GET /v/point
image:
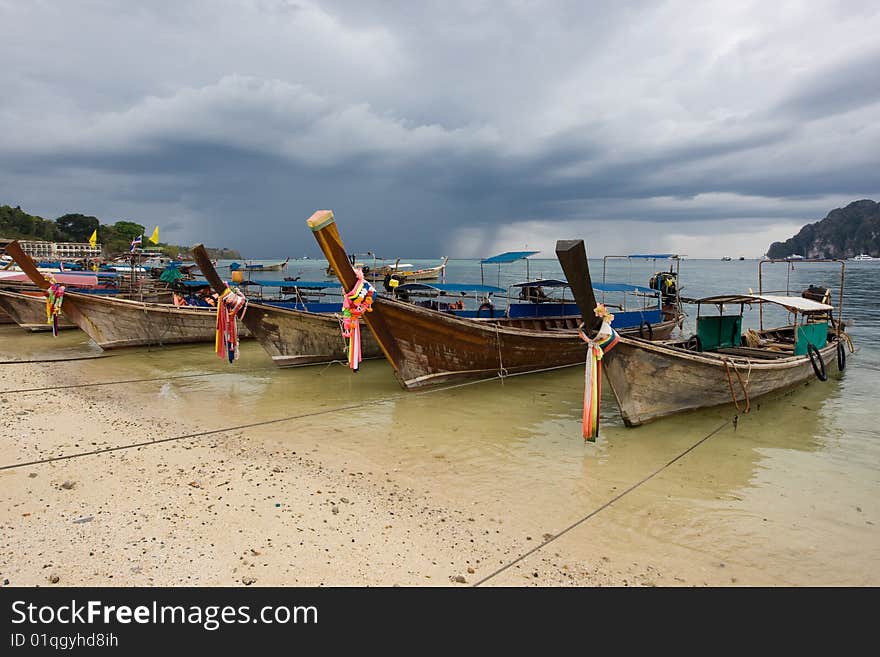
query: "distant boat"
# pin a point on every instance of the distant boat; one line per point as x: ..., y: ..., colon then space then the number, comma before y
x: 863, y: 257
x: 252, y: 265
x: 741, y: 258
x: 727, y: 258
x: 794, y: 256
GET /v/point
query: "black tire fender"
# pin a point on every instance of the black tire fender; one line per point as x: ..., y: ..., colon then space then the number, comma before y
x: 650, y: 330
x: 817, y: 362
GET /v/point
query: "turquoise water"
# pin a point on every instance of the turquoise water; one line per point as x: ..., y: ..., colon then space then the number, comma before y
x: 792, y: 496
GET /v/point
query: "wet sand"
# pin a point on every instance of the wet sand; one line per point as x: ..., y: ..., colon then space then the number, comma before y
x: 227, y: 509
x: 411, y: 490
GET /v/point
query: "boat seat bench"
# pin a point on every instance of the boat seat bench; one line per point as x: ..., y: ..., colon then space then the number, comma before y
x: 749, y: 352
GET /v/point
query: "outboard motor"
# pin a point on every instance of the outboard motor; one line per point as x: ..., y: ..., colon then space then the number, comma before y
x: 667, y: 283
x: 817, y: 293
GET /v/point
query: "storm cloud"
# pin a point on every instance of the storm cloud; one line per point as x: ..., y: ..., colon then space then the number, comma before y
x: 443, y: 128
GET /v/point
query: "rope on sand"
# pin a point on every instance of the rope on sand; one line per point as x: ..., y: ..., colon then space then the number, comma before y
x: 52, y: 360
x: 116, y: 383
x: 326, y: 411
x: 732, y: 420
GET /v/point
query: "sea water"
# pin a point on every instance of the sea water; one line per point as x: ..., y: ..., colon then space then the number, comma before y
x: 789, y: 496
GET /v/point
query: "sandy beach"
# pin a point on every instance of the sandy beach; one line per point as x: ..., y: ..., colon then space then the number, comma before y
x: 233, y: 508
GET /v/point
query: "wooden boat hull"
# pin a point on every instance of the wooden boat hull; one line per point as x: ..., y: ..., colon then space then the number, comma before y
x: 5, y: 318
x: 116, y: 323
x: 29, y: 311
x: 295, y: 337
x: 651, y: 380
x: 433, y: 348
x: 428, y: 347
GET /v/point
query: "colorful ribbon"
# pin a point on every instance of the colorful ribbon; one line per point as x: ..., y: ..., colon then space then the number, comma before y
x: 226, y: 338
x: 597, y: 347
x: 354, y: 304
x: 54, y: 299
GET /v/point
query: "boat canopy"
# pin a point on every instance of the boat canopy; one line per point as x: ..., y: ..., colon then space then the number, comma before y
x: 793, y: 304
x: 449, y: 287
x: 508, y: 256
x: 653, y: 256
x: 601, y: 287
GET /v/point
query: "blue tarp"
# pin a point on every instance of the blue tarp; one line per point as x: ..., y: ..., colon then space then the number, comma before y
x: 547, y: 282
x: 601, y: 287
x: 509, y: 256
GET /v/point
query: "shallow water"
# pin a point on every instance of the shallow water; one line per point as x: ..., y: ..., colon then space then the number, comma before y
x: 788, y: 497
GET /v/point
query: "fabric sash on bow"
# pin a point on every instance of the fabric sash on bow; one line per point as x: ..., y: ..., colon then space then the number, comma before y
x: 226, y: 338
x: 597, y: 347
x: 54, y: 299
x: 354, y: 304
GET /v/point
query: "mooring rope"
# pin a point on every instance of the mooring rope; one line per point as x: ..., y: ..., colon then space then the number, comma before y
x: 124, y: 381
x: 606, y: 504
x: 52, y: 360
x: 748, y: 403
x: 400, y: 395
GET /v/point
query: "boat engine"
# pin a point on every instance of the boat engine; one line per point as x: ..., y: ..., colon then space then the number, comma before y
x: 666, y: 282
x: 817, y: 293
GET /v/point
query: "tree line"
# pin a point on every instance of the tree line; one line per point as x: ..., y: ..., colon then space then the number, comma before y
x: 115, y: 238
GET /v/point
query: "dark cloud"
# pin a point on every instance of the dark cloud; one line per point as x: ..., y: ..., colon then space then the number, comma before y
x: 440, y: 128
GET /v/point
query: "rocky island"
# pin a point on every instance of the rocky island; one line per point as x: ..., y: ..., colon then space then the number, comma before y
x: 844, y: 233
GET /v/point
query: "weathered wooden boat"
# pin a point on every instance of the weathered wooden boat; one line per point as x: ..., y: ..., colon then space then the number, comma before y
x: 253, y: 265
x: 718, y: 366
x: 5, y: 317
x: 291, y: 337
x: 113, y: 323
x: 28, y: 310
x: 405, y: 272
x: 428, y: 347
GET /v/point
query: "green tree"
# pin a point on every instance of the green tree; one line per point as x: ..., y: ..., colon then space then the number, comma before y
x: 77, y: 227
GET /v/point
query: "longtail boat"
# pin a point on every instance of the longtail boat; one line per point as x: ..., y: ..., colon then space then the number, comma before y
x: 28, y: 310
x: 113, y: 323
x: 291, y: 337
x: 722, y: 365
x: 428, y: 347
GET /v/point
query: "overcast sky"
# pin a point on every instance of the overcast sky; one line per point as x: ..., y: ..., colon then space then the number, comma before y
x: 443, y: 128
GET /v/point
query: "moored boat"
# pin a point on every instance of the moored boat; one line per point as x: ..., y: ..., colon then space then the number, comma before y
x: 291, y: 336
x: 113, y: 323
x: 28, y: 310
x: 255, y: 265
x: 654, y: 380
x: 428, y: 347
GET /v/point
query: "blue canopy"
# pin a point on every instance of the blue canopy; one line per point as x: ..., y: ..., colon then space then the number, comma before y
x: 449, y: 287
x: 509, y: 256
x: 195, y: 283
x: 601, y: 287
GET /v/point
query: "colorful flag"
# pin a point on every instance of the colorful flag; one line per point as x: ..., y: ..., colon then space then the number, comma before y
x: 154, y: 238
x: 93, y: 240
x: 135, y: 243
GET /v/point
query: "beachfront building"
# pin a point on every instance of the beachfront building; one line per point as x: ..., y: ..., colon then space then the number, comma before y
x: 39, y: 250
